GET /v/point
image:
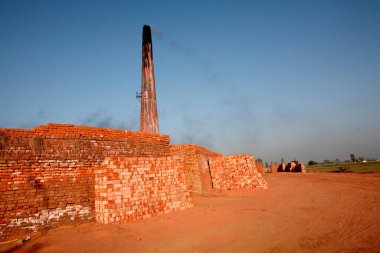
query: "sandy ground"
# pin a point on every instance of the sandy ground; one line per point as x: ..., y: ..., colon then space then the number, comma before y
x: 310, y: 212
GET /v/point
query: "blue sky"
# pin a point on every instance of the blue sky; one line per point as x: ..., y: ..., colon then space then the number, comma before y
x: 291, y: 79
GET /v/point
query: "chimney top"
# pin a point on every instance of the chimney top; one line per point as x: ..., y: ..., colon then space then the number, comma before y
x: 147, y: 36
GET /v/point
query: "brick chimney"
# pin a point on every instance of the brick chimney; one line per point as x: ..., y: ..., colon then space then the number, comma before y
x: 149, y: 116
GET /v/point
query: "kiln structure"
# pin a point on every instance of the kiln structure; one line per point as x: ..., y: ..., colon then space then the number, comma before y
x: 54, y: 174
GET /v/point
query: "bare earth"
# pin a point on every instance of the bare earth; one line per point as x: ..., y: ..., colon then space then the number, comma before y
x: 309, y: 212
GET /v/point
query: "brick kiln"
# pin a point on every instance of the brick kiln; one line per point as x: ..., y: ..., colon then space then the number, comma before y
x: 58, y: 173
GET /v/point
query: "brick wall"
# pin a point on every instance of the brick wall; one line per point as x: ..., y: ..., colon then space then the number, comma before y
x: 80, y: 142
x: 235, y: 172
x: 195, y: 167
x: 129, y: 189
x: 46, y: 173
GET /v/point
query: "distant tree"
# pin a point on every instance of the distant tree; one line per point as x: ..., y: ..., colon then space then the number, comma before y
x: 266, y: 165
x: 282, y: 160
x: 337, y: 160
x: 326, y: 161
x: 259, y: 160
x: 352, y: 156
x: 311, y: 163
x: 360, y: 159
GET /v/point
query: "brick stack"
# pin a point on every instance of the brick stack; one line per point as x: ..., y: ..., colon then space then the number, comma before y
x: 259, y: 167
x: 300, y: 167
x: 195, y: 166
x: 280, y: 167
x: 290, y: 167
x: 287, y: 167
x: 46, y: 173
x: 129, y: 189
x: 235, y: 172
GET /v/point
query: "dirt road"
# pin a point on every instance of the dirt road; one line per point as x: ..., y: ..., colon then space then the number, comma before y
x: 309, y: 212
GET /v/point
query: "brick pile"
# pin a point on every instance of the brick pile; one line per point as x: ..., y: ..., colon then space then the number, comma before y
x: 300, y: 167
x: 277, y: 167
x: 259, y: 167
x: 196, y: 168
x: 129, y: 189
x: 235, y: 172
x: 287, y: 167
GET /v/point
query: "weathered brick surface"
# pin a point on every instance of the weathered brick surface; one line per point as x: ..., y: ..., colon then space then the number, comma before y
x: 78, y: 142
x: 46, y: 173
x: 196, y: 168
x: 235, y: 172
x: 129, y: 189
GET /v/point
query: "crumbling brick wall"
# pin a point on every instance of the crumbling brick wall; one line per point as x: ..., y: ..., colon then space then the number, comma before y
x: 195, y: 167
x: 46, y: 173
x: 235, y: 172
x: 129, y: 189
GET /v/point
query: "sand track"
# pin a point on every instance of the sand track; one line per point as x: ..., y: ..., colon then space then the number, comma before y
x: 310, y: 212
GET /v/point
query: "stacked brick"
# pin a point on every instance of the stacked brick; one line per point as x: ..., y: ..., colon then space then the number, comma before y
x: 54, y: 174
x: 235, y: 172
x: 129, y: 189
x: 287, y: 167
x: 196, y: 169
x: 259, y: 167
x: 277, y: 167
x: 198, y: 149
x: 71, y: 140
x: 42, y: 193
x: 46, y: 173
x: 300, y: 167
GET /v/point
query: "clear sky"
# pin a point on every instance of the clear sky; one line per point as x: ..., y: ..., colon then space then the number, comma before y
x: 291, y: 79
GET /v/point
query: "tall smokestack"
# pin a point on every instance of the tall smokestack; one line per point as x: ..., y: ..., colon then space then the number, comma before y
x: 148, y: 117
